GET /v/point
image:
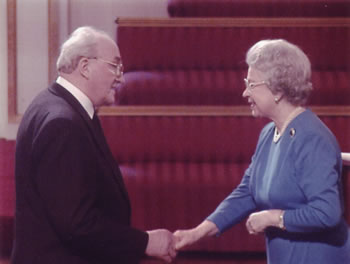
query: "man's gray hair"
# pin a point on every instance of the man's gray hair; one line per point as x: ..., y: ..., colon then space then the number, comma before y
x: 81, y: 43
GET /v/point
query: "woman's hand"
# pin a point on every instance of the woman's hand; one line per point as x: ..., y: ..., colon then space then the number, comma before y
x: 258, y: 222
x: 185, y: 238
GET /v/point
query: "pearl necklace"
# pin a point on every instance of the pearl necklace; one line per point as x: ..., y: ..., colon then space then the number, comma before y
x: 277, y: 135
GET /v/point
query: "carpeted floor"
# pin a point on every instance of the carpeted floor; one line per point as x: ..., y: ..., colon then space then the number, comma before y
x: 204, y: 258
x: 210, y: 258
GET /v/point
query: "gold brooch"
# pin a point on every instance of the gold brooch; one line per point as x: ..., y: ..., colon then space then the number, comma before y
x: 292, y: 132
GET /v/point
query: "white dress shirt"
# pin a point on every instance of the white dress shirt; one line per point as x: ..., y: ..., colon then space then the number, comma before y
x: 78, y: 94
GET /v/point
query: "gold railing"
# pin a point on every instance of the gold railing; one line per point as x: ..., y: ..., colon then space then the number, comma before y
x: 234, y: 22
x: 206, y: 110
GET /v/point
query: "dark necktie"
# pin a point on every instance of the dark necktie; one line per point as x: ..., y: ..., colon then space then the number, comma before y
x: 108, y: 154
x: 101, y: 138
x: 97, y: 124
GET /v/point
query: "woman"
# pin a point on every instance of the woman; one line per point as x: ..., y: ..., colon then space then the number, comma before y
x: 292, y: 189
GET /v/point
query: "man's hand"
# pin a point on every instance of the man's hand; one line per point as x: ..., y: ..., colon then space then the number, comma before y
x: 161, y: 244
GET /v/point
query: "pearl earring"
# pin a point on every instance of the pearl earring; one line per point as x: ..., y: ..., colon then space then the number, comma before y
x: 276, y: 100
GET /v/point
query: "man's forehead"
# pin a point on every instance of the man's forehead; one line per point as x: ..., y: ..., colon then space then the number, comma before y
x: 109, y: 48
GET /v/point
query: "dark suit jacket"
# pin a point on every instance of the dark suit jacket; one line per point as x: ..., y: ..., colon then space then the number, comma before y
x: 71, y: 202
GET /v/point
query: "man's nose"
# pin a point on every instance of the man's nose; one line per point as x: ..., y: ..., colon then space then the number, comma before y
x: 245, y: 93
x: 120, y: 79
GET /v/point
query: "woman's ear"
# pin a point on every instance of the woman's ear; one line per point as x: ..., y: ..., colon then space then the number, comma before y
x: 84, y: 67
x: 278, y: 97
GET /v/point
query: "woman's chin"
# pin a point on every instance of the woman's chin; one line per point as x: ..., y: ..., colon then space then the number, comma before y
x: 255, y: 112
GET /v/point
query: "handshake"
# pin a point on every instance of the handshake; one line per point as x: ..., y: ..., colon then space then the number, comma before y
x: 164, y: 245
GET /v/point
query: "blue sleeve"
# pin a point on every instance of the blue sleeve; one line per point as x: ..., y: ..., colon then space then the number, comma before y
x: 235, y: 207
x: 318, y: 173
x: 240, y: 203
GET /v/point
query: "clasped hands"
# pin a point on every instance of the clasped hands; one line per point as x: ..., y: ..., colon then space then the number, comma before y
x: 164, y: 245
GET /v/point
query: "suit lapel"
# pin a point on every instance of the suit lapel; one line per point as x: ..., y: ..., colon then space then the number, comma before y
x: 97, y: 134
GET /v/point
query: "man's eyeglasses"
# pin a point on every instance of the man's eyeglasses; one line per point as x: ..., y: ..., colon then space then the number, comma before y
x: 251, y: 85
x: 118, y: 68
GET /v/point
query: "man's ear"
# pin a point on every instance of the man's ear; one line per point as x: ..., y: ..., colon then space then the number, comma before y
x: 84, y: 67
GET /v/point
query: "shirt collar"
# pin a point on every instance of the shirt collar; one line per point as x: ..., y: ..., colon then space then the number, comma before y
x: 78, y: 94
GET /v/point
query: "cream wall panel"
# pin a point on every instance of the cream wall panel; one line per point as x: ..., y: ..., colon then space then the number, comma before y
x: 32, y: 50
x: 102, y: 14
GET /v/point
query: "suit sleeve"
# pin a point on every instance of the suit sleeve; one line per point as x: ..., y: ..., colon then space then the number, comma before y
x: 67, y: 180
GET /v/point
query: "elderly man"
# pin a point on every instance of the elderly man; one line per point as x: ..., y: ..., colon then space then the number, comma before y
x: 71, y: 203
